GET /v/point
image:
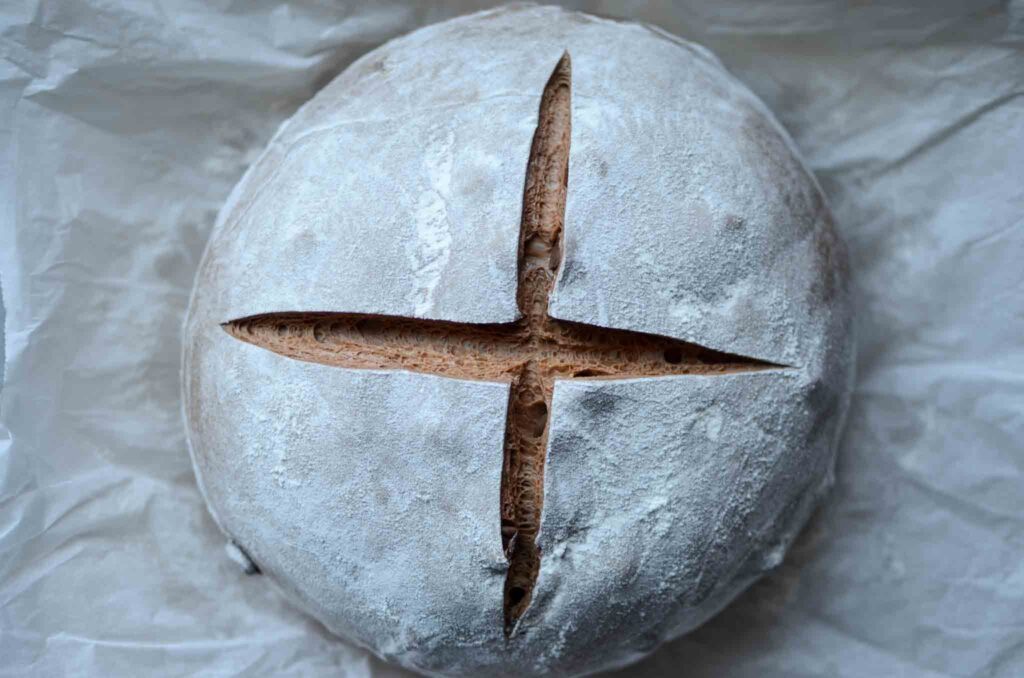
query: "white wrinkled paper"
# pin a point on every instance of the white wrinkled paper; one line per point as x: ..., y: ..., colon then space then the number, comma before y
x: 125, y: 125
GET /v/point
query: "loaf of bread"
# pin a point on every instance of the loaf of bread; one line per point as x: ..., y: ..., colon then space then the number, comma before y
x: 524, y: 347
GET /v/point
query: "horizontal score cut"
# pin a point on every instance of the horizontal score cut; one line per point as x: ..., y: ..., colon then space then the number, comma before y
x: 488, y: 352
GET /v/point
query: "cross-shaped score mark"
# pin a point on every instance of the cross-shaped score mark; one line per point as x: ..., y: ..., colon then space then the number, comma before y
x: 530, y: 353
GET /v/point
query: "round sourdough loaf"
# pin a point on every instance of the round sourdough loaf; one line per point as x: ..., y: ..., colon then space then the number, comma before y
x: 523, y: 348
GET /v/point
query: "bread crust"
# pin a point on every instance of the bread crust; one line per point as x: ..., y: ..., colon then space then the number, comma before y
x: 373, y: 498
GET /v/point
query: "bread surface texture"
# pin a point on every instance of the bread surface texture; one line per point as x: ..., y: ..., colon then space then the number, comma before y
x: 524, y: 347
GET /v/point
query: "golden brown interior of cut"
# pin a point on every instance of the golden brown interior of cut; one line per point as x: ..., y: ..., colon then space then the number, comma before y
x: 529, y: 353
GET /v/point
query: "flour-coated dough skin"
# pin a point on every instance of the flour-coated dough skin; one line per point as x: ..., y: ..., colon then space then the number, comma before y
x: 372, y: 497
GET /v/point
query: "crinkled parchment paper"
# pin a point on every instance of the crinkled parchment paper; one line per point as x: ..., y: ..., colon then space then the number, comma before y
x: 123, y: 126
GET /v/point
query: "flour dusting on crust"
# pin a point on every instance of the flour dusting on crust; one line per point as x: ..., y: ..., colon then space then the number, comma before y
x: 372, y: 497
